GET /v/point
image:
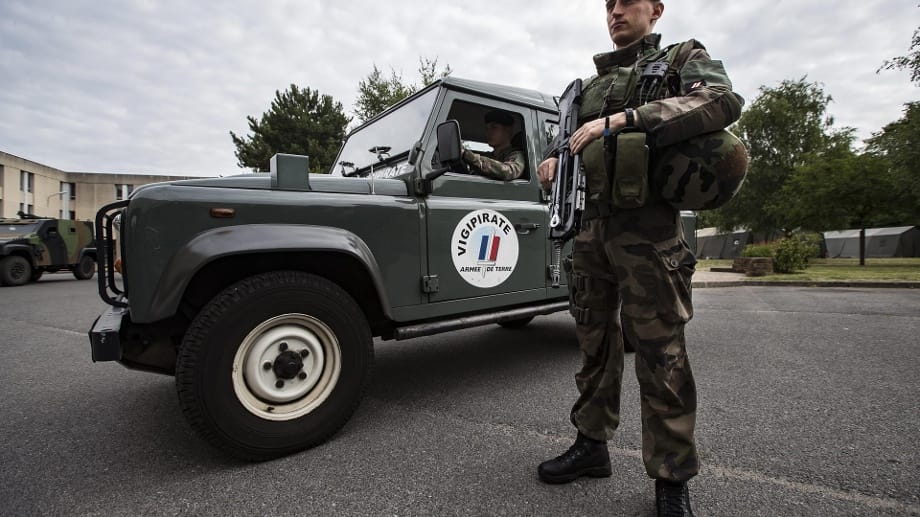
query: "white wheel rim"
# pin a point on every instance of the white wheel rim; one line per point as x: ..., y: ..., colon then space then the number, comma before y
x: 305, y: 357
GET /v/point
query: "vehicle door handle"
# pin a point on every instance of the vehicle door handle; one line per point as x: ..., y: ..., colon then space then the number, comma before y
x: 525, y: 228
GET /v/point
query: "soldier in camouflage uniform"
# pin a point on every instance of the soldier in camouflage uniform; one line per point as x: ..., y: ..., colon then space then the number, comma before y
x: 632, y: 266
x: 506, y: 162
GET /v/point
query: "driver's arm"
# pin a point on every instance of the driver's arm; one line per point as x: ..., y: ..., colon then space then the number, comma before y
x: 510, y: 168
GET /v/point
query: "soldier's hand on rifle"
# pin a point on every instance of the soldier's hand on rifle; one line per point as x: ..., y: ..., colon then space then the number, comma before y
x: 546, y: 172
x: 594, y: 129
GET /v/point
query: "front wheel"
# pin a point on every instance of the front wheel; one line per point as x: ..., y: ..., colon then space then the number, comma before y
x: 15, y: 271
x: 274, y: 364
x: 85, y: 269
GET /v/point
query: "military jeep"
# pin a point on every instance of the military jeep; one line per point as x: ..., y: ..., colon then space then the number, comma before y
x: 262, y: 293
x: 31, y: 246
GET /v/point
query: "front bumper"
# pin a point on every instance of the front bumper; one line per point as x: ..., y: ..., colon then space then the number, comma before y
x: 105, y: 336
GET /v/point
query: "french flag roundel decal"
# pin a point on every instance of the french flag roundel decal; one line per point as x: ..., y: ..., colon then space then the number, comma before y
x: 484, y: 248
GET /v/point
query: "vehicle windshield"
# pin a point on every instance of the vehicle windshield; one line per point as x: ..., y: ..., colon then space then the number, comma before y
x: 391, y: 137
x: 17, y: 228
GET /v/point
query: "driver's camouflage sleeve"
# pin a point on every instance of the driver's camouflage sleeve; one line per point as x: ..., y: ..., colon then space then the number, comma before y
x: 505, y: 165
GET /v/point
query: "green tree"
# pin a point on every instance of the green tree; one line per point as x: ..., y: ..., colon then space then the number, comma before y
x: 299, y: 121
x: 846, y: 190
x: 898, y: 142
x: 428, y: 71
x: 376, y: 93
x: 910, y: 62
x: 784, y: 128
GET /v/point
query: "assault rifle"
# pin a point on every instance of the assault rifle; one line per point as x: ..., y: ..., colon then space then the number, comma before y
x: 568, y: 194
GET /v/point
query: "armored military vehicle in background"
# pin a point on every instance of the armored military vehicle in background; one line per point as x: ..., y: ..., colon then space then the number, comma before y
x: 31, y: 246
x: 262, y: 293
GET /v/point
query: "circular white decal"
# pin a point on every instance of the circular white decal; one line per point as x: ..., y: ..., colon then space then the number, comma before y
x: 484, y: 248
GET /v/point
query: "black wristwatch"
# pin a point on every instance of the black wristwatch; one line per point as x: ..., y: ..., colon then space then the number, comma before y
x: 630, y: 117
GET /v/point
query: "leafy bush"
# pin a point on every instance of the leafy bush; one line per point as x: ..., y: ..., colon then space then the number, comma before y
x: 791, y: 254
x: 813, y: 241
x: 758, y: 250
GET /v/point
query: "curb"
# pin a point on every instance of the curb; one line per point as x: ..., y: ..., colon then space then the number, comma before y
x: 866, y: 284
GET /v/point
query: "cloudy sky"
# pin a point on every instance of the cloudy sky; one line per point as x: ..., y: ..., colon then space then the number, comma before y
x: 150, y: 86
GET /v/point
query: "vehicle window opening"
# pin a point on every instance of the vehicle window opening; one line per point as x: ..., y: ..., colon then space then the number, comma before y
x: 471, y: 117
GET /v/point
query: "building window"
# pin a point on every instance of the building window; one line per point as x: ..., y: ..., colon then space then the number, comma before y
x: 69, y: 188
x: 123, y: 191
x: 26, y: 181
x: 70, y: 214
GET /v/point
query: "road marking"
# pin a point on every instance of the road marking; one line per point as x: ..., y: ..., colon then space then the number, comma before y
x: 739, y: 474
x: 46, y: 327
x: 878, y: 503
x: 699, y: 310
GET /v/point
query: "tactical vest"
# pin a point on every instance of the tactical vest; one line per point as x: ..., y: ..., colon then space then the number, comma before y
x: 616, y: 88
x: 700, y: 173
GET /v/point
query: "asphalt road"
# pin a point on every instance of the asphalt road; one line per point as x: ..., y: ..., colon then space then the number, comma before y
x: 808, y: 407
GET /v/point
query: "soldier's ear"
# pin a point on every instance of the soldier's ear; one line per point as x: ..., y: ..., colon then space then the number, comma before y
x: 657, y: 10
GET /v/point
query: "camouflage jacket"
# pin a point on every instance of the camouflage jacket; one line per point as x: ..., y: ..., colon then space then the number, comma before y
x: 695, y: 97
x: 504, y: 165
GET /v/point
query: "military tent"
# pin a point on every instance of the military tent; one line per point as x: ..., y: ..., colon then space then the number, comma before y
x: 902, y: 241
x: 713, y: 244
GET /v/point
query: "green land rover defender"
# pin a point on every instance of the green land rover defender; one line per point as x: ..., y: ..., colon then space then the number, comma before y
x: 262, y: 293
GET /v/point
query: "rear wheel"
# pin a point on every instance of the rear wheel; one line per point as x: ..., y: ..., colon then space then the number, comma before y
x: 15, y: 270
x: 274, y: 364
x: 85, y: 269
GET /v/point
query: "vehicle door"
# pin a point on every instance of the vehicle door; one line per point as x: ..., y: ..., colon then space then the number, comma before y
x: 55, y: 250
x: 486, y: 238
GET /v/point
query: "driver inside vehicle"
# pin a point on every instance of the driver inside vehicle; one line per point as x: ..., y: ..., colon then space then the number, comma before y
x: 506, y: 161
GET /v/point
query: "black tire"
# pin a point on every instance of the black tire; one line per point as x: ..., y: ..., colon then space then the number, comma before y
x: 85, y: 269
x: 15, y: 271
x: 516, y: 324
x: 219, y: 389
x: 36, y: 275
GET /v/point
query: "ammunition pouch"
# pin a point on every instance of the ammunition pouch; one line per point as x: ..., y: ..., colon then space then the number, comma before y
x: 597, y: 182
x: 627, y: 161
x: 591, y: 313
x: 616, y: 170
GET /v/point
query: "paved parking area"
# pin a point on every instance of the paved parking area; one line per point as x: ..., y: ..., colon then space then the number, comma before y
x: 808, y: 406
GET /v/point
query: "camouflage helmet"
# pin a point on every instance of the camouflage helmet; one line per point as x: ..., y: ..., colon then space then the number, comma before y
x: 701, y: 173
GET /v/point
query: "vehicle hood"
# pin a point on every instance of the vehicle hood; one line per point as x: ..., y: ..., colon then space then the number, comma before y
x: 318, y: 183
x: 13, y: 239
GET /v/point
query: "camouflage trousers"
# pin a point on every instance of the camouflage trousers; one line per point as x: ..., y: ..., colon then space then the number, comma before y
x: 632, y: 274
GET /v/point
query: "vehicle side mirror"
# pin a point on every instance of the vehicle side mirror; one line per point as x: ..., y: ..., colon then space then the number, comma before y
x: 449, y: 147
x: 450, y: 155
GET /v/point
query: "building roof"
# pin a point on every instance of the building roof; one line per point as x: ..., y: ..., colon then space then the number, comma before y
x: 870, y: 232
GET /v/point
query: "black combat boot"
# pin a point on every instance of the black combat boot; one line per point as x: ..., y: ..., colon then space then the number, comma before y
x: 672, y: 498
x: 586, y: 457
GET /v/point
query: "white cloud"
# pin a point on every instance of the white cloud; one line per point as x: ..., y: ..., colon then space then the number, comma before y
x: 155, y: 86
